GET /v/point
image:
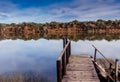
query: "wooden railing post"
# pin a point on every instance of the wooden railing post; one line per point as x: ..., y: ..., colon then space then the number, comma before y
x: 64, y: 64
x: 110, y: 68
x: 64, y: 42
x: 66, y: 51
x: 95, y: 55
x: 67, y: 55
x: 109, y: 72
x: 59, y: 71
x: 116, y: 70
x: 70, y: 49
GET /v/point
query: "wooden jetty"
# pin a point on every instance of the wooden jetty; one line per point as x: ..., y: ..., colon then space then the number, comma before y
x: 83, y: 68
x: 80, y: 69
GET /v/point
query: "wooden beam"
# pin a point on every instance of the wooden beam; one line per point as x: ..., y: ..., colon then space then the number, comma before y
x: 116, y: 70
x: 59, y: 71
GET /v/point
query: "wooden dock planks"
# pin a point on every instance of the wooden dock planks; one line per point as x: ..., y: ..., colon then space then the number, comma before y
x: 80, y: 69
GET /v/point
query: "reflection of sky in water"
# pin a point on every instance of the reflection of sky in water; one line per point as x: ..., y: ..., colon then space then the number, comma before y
x: 109, y: 49
x: 30, y: 55
x: 41, y: 55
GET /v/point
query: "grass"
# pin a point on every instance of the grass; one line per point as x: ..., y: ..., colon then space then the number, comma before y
x: 23, y: 77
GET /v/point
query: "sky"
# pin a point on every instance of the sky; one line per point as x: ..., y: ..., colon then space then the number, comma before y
x: 42, y: 11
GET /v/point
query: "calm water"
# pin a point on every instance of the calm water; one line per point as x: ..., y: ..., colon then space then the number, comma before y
x: 38, y: 57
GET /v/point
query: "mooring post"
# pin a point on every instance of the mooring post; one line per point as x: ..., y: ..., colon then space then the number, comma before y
x: 116, y: 70
x: 95, y: 55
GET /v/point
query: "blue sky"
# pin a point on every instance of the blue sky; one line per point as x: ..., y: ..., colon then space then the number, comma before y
x: 41, y: 11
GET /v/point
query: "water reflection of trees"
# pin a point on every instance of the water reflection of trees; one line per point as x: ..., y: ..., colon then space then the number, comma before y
x: 73, y: 36
x: 23, y: 77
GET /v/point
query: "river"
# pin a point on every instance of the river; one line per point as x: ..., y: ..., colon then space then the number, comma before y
x: 36, y: 59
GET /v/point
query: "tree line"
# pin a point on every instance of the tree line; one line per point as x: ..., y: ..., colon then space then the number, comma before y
x: 99, y: 24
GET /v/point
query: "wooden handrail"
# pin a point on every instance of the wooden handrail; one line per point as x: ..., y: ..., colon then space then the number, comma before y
x: 63, y: 51
x: 63, y: 60
x: 110, y: 67
x: 96, y: 50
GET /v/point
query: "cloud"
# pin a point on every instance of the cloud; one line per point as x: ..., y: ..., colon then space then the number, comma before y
x: 7, y: 6
x: 91, y: 10
x: 18, y: 54
x: 107, y: 1
x: 4, y: 14
x: 77, y: 9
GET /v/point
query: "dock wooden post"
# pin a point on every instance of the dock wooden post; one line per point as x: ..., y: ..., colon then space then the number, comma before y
x: 67, y: 56
x: 116, y: 70
x: 59, y: 71
x: 95, y: 55
x: 70, y: 49
x: 67, y: 51
x: 110, y: 68
x: 64, y: 42
x: 64, y: 65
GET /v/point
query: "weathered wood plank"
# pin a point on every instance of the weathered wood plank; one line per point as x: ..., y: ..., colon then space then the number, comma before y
x: 80, y: 69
